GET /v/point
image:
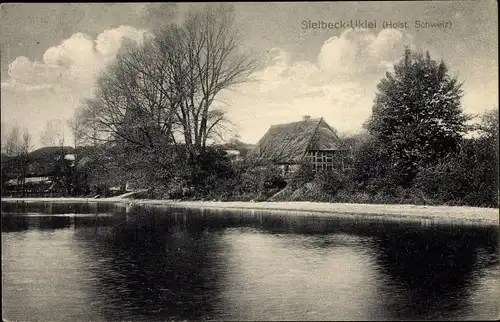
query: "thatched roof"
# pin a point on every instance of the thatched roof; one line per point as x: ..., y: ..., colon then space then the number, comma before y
x: 288, y: 143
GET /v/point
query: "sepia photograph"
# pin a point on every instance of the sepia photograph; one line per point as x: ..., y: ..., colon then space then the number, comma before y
x: 250, y: 161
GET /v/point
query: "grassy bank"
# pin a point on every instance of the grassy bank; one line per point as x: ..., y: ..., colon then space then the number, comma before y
x: 456, y: 214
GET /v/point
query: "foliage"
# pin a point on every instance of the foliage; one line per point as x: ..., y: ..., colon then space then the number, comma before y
x: 331, y: 182
x: 301, y: 176
x: 214, y: 176
x: 258, y: 181
x: 370, y: 163
x: 469, y: 177
x: 417, y: 117
x: 413, y: 151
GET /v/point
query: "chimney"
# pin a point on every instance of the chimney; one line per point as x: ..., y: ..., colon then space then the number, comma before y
x: 306, y: 117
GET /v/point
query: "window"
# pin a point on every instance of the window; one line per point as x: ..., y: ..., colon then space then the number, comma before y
x: 322, y: 160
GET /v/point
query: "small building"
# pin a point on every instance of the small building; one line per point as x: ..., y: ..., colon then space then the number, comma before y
x: 234, y: 155
x: 310, y: 141
x: 235, y: 150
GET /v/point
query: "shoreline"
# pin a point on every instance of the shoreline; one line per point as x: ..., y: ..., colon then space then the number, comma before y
x: 475, y: 215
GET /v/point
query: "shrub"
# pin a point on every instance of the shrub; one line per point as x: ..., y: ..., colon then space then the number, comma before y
x: 464, y: 178
x: 301, y: 176
x: 261, y: 181
x: 314, y: 192
x: 331, y: 181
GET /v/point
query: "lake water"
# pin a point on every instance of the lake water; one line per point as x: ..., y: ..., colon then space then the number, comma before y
x: 102, y: 262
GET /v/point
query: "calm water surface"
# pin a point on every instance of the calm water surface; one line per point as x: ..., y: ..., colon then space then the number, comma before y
x: 99, y: 262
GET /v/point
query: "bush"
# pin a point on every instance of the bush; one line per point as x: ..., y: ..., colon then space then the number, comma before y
x: 301, y: 176
x: 465, y: 178
x: 311, y: 192
x: 211, y: 168
x: 331, y: 181
x: 261, y: 181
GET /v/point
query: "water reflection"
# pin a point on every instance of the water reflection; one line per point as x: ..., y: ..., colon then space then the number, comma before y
x: 152, y: 269
x: 148, y: 263
x: 430, y: 270
x: 42, y: 274
x: 287, y: 277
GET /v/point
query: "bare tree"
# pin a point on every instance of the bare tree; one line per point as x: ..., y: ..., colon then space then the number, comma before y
x: 26, y: 143
x: 159, y: 99
x: 130, y: 104
x: 15, y: 143
x: 210, y: 63
x: 165, y: 90
x: 17, y: 146
x: 24, y: 150
x: 11, y: 141
x: 74, y: 125
x: 53, y: 133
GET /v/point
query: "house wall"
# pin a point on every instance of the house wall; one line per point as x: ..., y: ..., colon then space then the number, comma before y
x: 326, y: 159
x: 320, y: 160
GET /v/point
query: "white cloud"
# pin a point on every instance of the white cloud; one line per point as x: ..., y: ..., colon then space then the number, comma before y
x: 339, y: 86
x: 359, y: 51
x: 27, y: 75
x: 108, y: 42
x: 76, y: 61
x: 54, y: 87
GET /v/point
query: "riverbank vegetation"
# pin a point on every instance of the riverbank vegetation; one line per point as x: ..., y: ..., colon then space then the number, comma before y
x: 154, y: 121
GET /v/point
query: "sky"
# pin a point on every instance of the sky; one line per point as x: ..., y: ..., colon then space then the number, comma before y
x: 52, y: 54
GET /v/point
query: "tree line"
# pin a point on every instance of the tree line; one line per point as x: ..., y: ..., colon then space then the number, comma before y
x: 155, y: 116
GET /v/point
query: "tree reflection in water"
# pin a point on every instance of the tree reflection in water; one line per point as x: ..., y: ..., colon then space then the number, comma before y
x: 153, y: 267
x: 152, y: 263
x: 431, y: 271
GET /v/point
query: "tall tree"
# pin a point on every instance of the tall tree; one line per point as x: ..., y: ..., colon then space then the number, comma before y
x: 11, y: 141
x: 24, y: 149
x: 53, y: 133
x: 208, y: 44
x: 417, y: 117
x: 78, y: 176
x: 159, y: 98
x: 16, y: 146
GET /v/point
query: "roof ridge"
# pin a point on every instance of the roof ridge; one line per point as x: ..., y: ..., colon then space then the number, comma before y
x: 309, y: 120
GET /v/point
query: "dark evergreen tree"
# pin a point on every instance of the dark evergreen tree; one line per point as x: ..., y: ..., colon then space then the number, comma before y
x: 417, y: 117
